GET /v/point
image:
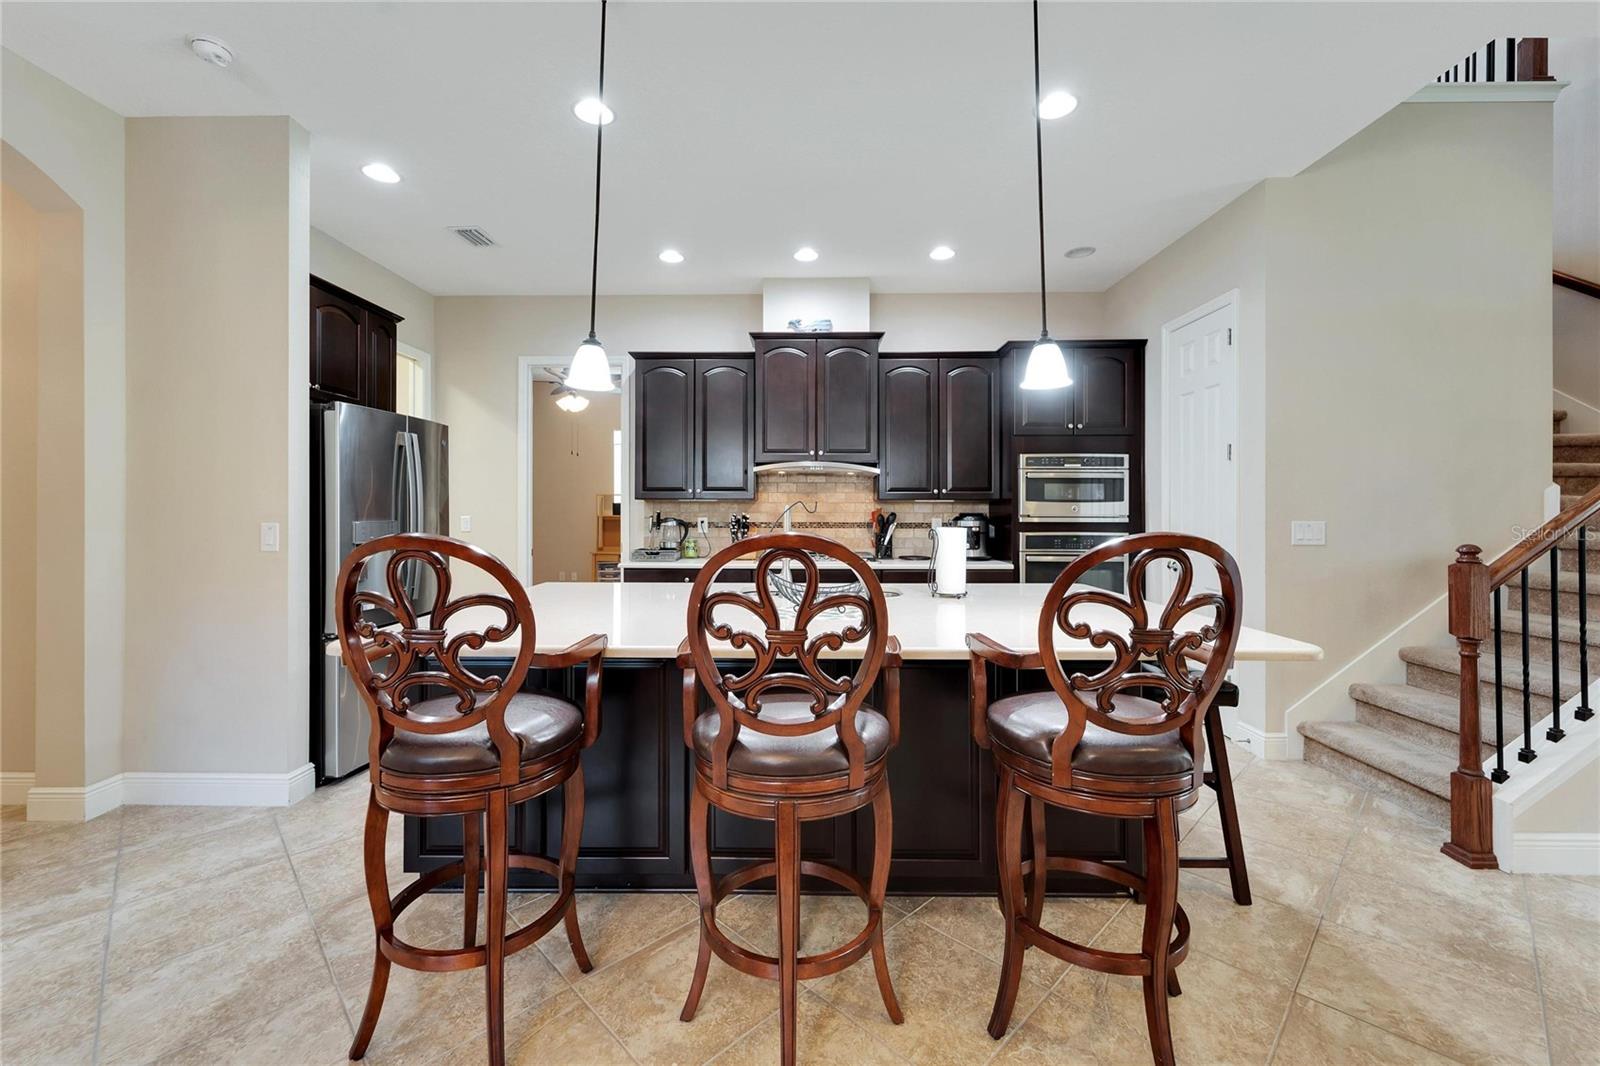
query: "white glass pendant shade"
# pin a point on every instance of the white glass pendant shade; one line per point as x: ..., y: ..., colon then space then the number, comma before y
x: 590, y: 370
x: 1047, y: 367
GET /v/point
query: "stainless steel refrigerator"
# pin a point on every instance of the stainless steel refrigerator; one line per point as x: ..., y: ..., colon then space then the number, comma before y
x: 373, y: 473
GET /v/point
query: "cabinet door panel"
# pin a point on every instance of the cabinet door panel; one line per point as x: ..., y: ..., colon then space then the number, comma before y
x: 847, y: 402
x: 725, y: 416
x: 969, y: 414
x: 381, y: 349
x: 1104, y: 380
x: 664, y: 431
x: 336, y: 343
x: 1039, y: 412
x: 908, y: 395
x: 786, y: 423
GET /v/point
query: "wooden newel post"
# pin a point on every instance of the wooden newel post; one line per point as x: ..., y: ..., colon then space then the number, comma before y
x: 1471, y: 794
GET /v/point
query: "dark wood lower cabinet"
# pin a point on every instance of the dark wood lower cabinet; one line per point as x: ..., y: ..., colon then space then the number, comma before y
x: 637, y: 783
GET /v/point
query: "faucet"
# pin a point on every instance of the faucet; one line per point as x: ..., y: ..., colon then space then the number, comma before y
x: 809, y: 508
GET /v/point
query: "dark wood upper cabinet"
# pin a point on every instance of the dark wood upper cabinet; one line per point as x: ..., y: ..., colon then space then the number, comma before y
x: 725, y: 428
x: 786, y: 403
x: 969, y: 428
x: 353, y: 347
x: 1103, y: 398
x: 664, y: 429
x: 847, y: 402
x: 908, y: 398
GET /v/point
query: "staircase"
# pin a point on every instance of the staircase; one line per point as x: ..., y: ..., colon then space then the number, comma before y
x: 1405, y: 739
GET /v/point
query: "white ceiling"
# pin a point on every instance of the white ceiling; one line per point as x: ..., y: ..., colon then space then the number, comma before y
x: 871, y: 131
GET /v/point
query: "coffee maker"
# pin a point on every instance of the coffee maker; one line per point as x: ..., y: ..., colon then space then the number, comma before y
x: 979, y: 531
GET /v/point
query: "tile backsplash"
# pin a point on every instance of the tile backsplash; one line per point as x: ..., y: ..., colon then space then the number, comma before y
x: 844, y: 505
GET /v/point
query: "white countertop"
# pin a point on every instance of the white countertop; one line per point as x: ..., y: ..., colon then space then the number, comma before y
x: 648, y: 620
x: 876, y: 564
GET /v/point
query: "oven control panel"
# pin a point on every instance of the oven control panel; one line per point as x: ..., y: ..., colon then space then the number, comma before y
x: 1076, y: 543
x: 1073, y: 462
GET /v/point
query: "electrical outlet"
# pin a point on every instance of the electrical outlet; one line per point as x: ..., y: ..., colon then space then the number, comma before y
x: 466, y: 523
x: 269, y: 536
x: 1304, y: 532
x: 704, y: 525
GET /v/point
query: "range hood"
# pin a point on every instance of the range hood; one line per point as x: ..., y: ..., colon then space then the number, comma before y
x: 816, y: 466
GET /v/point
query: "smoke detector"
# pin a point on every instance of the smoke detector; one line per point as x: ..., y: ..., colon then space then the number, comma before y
x: 211, y: 50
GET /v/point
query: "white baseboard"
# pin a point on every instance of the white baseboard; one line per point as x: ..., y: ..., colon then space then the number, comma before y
x: 219, y: 790
x: 1263, y: 745
x: 53, y: 804
x: 1555, y: 853
x: 14, y: 786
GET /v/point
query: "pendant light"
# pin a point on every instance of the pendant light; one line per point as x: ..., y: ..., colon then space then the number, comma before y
x: 1046, y: 367
x: 591, y: 370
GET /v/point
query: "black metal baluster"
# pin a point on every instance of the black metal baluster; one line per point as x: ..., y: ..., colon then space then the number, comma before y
x: 1555, y: 732
x: 1498, y: 774
x: 1584, y: 711
x: 1526, y: 754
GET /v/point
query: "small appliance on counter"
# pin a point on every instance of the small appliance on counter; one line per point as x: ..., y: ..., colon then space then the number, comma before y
x: 669, y: 532
x: 979, y: 533
x: 947, y: 570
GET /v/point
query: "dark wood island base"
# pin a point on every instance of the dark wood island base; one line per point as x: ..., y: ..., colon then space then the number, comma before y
x: 635, y: 831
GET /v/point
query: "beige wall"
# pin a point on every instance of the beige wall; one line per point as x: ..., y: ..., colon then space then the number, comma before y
x: 76, y: 147
x: 572, y: 462
x: 218, y: 251
x: 19, y: 477
x: 349, y: 269
x: 1576, y: 248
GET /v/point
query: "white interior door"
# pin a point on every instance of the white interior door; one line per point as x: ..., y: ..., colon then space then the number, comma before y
x: 1200, y: 404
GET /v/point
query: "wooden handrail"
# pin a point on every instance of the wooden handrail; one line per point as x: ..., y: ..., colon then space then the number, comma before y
x: 1471, y: 588
x: 1576, y: 284
x: 1520, y: 555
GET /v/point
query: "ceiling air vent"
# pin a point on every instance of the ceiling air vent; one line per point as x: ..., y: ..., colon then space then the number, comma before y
x: 473, y: 236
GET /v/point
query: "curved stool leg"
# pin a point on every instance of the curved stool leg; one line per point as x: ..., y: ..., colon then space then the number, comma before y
x: 472, y: 853
x: 788, y: 928
x: 1041, y: 859
x: 1161, y: 902
x: 495, y: 970
x: 1009, y: 847
x: 1227, y: 810
x: 377, y: 872
x: 571, y: 836
x: 700, y: 859
x: 882, y: 844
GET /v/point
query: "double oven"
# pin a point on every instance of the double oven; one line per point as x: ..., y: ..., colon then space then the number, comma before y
x: 1058, y: 495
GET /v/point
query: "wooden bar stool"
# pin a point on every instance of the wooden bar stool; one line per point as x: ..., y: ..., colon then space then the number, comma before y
x: 790, y: 745
x: 1094, y: 744
x: 472, y: 753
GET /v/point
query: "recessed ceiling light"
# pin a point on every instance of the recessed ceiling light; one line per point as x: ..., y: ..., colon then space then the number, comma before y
x: 1058, y: 104
x: 1083, y: 251
x: 381, y: 172
x: 806, y: 255
x: 670, y: 255
x: 592, y: 111
x: 942, y: 252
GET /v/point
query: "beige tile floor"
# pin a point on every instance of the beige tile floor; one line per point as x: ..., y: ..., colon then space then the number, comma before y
x: 211, y: 935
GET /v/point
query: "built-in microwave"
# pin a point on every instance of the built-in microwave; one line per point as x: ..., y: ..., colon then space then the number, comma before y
x: 1042, y: 557
x: 1064, y: 487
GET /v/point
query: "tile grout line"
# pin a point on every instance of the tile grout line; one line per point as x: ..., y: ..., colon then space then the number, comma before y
x: 316, y: 930
x: 1538, y: 972
x: 573, y: 985
x: 105, y: 947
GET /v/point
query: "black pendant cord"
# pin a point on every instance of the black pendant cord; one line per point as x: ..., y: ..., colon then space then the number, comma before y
x: 599, y: 143
x: 1038, y: 156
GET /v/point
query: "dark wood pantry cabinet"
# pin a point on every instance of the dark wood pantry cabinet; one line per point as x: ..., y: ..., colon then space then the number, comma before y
x: 353, y: 347
x: 816, y: 397
x: 1104, y: 398
x: 693, y: 427
x: 939, y: 427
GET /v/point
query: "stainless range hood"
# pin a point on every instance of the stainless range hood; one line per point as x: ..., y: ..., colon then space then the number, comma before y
x: 816, y: 466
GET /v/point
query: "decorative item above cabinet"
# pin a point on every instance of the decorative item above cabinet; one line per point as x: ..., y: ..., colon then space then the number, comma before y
x: 816, y: 397
x: 353, y: 346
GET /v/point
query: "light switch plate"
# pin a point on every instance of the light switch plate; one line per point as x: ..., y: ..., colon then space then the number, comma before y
x: 1304, y: 532
x: 269, y: 536
x: 466, y: 523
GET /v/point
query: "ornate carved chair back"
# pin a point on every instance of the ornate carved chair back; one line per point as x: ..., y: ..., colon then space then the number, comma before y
x: 395, y: 643
x: 1151, y: 643
x: 796, y: 618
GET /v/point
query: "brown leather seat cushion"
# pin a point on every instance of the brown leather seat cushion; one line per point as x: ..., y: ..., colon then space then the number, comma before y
x: 543, y: 724
x: 816, y: 754
x: 1028, y: 723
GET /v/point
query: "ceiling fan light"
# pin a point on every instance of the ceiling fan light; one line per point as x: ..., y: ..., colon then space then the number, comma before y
x: 590, y: 370
x: 571, y: 401
x: 1046, y: 368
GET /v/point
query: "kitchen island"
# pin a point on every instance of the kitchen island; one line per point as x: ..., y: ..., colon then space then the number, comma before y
x: 637, y: 774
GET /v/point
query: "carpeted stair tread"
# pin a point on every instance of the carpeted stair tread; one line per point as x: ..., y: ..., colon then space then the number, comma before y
x: 1420, y: 704
x: 1576, y: 469
x: 1539, y: 628
x: 1414, y: 764
x: 1539, y: 578
x: 1577, y: 439
x: 1447, y: 660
